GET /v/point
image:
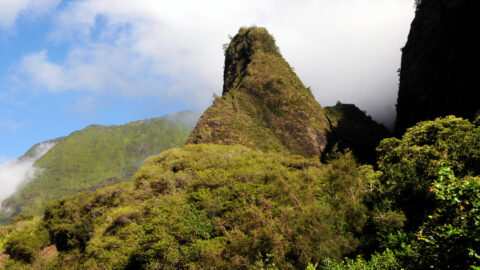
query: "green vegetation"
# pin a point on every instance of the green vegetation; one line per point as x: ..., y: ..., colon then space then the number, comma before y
x: 410, y: 166
x: 417, y: 179
x: 385, y: 261
x: 23, y: 245
x: 451, y: 235
x: 96, y: 157
x: 264, y: 105
x: 22, y: 240
x: 212, y: 206
x: 217, y: 206
x: 257, y: 196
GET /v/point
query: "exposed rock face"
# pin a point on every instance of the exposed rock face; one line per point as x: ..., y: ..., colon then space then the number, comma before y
x: 264, y: 104
x: 440, y: 70
x: 354, y: 129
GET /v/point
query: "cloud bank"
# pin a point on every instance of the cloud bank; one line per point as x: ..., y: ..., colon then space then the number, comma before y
x: 15, y: 173
x: 347, y: 50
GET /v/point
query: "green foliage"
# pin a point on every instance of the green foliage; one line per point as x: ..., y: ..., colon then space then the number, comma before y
x: 20, y: 218
x: 96, y: 157
x: 25, y: 239
x: 451, y: 236
x: 24, y: 245
x: 409, y: 166
x: 14, y: 265
x: 441, y: 229
x: 212, y: 206
x: 264, y: 105
x: 68, y: 224
x: 386, y: 260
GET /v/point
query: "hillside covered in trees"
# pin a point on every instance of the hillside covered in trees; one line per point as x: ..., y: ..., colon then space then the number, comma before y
x: 269, y: 179
x: 95, y: 157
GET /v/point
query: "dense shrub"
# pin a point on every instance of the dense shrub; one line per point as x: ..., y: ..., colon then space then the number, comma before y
x: 24, y: 245
x: 442, y: 223
x: 233, y: 207
x: 451, y: 235
x: 385, y: 261
x: 212, y: 206
x: 409, y: 165
x: 68, y: 223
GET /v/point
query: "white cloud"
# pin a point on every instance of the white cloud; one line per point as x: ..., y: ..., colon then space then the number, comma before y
x: 11, y: 126
x: 346, y: 50
x: 11, y: 9
x: 15, y: 173
x: 42, y: 71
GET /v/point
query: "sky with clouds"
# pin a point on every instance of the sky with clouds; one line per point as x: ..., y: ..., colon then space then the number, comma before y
x: 66, y: 64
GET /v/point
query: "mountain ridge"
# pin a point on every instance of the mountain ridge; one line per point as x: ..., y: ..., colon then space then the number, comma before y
x: 212, y: 206
x: 95, y: 157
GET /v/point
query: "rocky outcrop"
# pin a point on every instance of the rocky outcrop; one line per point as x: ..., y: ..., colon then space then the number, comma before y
x: 264, y: 104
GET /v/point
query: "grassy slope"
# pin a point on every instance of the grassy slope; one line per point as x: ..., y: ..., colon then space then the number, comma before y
x: 264, y: 104
x: 97, y: 156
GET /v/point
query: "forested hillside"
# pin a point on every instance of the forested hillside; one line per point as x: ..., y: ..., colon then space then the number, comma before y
x: 96, y: 157
x: 266, y: 180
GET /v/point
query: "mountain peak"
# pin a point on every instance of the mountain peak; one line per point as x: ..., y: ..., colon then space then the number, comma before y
x: 264, y: 104
x: 239, y: 54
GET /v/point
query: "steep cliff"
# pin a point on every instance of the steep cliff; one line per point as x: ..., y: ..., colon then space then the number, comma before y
x: 264, y: 104
x: 440, y: 68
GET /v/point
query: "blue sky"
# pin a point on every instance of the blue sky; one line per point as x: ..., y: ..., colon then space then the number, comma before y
x: 68, y: 64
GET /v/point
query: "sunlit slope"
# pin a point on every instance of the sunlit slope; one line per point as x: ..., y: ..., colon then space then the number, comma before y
x: 264, y: 104
x: 95, y: 157
x: 211, y: 207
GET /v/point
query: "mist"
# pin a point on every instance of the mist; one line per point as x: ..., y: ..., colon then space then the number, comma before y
x: 18, y: 172
x: 188, y: 117
x: 346, y: 50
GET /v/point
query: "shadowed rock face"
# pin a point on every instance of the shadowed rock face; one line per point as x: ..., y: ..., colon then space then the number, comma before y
x: 264, y: 104
x: 353, y: 129
x: 440, y: 70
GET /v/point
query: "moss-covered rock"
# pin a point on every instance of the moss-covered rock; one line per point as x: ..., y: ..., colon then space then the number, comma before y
x: 264, y: 104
